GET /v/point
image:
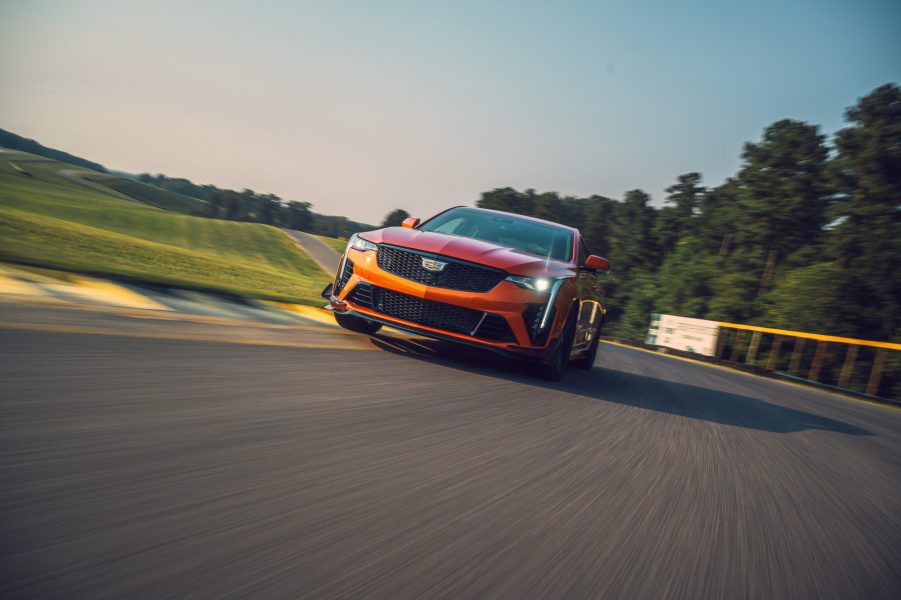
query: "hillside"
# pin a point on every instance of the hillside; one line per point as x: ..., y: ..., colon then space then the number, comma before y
x: 56, y: 220
x: 184, y: 196
x: 248, y: 205
x: 149, y: 194
x: 12, y: 141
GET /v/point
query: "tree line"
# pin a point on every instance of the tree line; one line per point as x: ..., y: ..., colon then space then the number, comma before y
x: 248, y: 205
x: 805, y: 236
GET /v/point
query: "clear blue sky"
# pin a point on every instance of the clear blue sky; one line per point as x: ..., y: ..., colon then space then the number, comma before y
x: 362, y: 107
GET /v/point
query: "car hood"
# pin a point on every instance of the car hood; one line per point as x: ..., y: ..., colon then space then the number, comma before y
x: 508, y: 259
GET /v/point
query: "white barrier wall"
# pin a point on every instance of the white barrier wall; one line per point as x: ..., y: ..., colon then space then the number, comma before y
x: 683, y: 333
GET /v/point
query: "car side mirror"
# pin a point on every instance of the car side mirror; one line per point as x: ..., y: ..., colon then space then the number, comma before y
x: 410, y: 223
x: 596, y: 263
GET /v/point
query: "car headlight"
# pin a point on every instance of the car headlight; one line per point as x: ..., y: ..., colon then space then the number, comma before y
x: 358, y: 243
x: 539, y: 284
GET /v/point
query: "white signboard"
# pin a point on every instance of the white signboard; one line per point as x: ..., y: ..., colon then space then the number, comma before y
x: 682, y: 333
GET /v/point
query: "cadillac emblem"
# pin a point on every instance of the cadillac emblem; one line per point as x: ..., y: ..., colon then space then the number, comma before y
x: 436, y: 266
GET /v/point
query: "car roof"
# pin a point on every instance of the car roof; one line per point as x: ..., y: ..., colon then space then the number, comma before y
x: 517, y: 215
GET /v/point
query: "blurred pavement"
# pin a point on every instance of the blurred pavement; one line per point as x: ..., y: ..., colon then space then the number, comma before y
x: 172, y: 445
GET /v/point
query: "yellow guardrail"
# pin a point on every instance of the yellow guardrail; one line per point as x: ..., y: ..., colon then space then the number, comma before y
x: 738, y: 348
x: 813, y: 336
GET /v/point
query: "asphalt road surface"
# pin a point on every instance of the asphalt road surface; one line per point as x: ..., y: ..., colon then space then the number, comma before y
x: 318, y: 250
x: 157, y: 459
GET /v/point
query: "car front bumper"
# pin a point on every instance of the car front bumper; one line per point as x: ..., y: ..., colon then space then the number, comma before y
x: 506, y: 301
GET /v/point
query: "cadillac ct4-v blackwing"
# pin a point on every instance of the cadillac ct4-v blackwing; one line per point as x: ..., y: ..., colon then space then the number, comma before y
x: 485, y: 278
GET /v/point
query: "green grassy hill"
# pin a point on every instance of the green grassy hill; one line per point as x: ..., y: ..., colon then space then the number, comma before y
x: 56, y: 220
x: 148, y: 194
x: 8, y: 139
x: 51, y: 171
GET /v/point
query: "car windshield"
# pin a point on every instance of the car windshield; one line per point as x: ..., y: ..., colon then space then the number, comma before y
x: 542, y: 239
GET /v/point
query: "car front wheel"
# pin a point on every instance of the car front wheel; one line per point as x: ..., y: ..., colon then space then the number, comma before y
x: 587, y: 361
x: 554, y: 368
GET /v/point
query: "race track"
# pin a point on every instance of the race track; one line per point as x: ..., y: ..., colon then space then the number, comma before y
x: 158, y: 459
x: 318, y: 250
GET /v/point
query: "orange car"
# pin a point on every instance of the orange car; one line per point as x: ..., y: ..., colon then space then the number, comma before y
x: 486, y: 278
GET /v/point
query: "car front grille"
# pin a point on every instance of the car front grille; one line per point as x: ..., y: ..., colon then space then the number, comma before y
x: 456, y: 275
x: 437, y: 315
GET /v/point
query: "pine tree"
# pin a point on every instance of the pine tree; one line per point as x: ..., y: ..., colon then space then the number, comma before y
x: 866, y: 240
x: 783, y: 191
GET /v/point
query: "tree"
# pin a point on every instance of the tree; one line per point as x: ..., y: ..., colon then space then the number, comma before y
x: 268, y: 209
x: 793, y: 240
x: 633, y: 244
x: 509, y: 200
x: 631, y: 313
x: 215, y: 205
x: 395, y: 218
x: 236, y: 206
x: 866, y: 239
x: 683, y: 203
x: 720, y: 214
x: 784, y: 193
x: 810, y: 299
x: 598, y: 224
x: 685, y: 279
x: 297, y: 215
x: 731, y: 300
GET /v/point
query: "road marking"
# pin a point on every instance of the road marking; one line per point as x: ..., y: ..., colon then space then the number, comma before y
x: 59, y: 303
x: 112, y: 293
x: 320, y: 315
x: 16, y: 282
x: 87, y: 330
x: 214, y: 320
x: 100, y: 295
x: 17, y: 287
x: 755, y: 375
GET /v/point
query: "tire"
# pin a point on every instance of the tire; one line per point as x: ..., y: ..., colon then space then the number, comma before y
x: 586, y: 361
x: 554, y: 368
x: 357, y: 324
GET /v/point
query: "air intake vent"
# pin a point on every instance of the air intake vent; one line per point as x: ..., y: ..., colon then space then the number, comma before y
x: 495, y: 327
x: 532, y: 317
x: 345, y: 276
x: 361, y: 295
